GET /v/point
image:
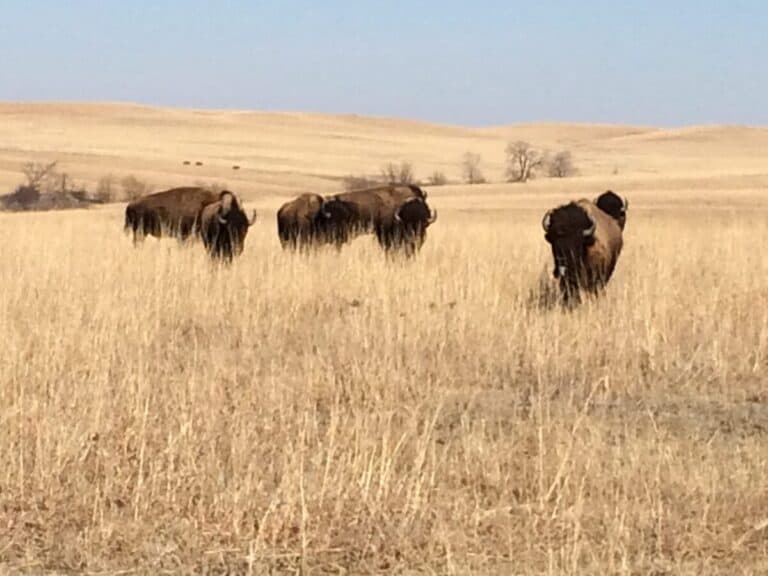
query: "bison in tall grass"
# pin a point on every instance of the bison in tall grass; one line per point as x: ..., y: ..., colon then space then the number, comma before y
x: 301, y: 221
x: 223, y: 226
x: 173, y: 213
x: 586, y: 243
x: 216, y: 218
x: 397, y: 214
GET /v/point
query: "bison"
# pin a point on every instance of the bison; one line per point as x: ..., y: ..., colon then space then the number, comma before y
x: 613, y: 205
x: 586, y: 243
x: 378, y: 209
x: 171, y: 212
x: 408, y: 231
x: 223, y: 226
x: 300, y: 221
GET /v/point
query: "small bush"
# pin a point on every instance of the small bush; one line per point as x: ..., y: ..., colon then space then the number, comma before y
x: 561, y: 165
x: 133, y: 187
x: 351, y: 182
x: 106, y: 189
x: 437, y: 178
x: 398, y: 173
x: 470, y: 168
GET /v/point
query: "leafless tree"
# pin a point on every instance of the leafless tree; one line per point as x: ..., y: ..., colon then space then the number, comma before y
x: 561, y: 165
x: 470, y: 166
x: 437, y: 179
x: 106, y: 190
x: 37, y: 173
x: 398, y: 173
x: 523, y: 161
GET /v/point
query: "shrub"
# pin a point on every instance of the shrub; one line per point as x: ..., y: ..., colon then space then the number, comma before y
x: 470, y: 168
x: 398, y: 173
x: 437, y: 178
x: 133, y: 187
x: 561, y: 165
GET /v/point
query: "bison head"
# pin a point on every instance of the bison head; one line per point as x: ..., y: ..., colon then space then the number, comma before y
x: 412, y: 219
x: 415, y: 213
x: 613, y: 205
x: 570, y: 231
x: 225, y: 226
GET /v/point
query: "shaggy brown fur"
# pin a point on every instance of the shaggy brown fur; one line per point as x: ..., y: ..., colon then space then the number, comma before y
x: 224, y: 226
x: 409, y: 229
x: 375, y: 210
x: 376, y: 207
x: 298, y: 221
x: 171, y: 212
x: 586, y: 243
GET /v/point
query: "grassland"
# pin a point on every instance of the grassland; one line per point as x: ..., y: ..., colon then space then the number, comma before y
x: 340, y: 413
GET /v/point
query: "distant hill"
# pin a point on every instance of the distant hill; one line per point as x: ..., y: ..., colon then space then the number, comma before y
x: 280, y: 153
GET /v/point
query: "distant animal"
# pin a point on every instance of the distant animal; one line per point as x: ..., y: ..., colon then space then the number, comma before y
x: 186, y: 162
x: 235, y: 167
x: 301, y: 221
x: 586, y: 243
x: 613, y: 205
x: 223, y: 226
x: 172, y: 212
x: 198, y: 163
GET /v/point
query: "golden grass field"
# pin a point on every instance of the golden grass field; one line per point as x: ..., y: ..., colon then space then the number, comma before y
x: 341, y: 413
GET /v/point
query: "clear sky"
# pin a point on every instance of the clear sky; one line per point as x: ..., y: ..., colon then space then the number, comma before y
x: 665, y: 63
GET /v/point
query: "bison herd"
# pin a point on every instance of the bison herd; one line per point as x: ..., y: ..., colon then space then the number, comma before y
x: 585, y: 236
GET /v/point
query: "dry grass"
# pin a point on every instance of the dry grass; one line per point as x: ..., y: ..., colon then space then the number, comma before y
x: 344, y: 414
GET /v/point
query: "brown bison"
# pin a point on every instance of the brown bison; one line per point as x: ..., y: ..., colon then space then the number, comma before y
x: 586, y: 243
x: 301, y: 221
x: 377, y: 205
x: 613, y: 205
x: 171, y: 212
x: 409, y: 229
x: 397, y: 213
x: 223, y: 227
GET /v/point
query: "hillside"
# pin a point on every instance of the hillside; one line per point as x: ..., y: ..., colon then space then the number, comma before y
x: 281, y: 153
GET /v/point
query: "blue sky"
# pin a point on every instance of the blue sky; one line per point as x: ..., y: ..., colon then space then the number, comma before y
x: 665, y: 63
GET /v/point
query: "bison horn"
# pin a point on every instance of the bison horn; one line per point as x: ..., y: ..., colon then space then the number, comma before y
x: 432, y: 216
x: 588, y: 232
x: 221, y: 219
x: 545, y: 221
x: 624, y: 204
x: 397, y: 217
x: 252, y: 221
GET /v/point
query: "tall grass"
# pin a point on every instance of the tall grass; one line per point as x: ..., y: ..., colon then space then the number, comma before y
x: 342, y: 412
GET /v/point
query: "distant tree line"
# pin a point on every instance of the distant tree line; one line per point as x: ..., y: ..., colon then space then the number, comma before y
x: 523, y: 162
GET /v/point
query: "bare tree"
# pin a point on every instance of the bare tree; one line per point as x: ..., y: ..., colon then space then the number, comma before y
x: 398, y: 173
x: 106, y: 190
x: 561, y: 165
x: 470, y: 167
x: 437, y: 179
x: 523, y: 161
x: 37, y: 173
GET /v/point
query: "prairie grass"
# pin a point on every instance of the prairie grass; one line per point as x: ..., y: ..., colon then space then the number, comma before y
x: 341, y: 413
